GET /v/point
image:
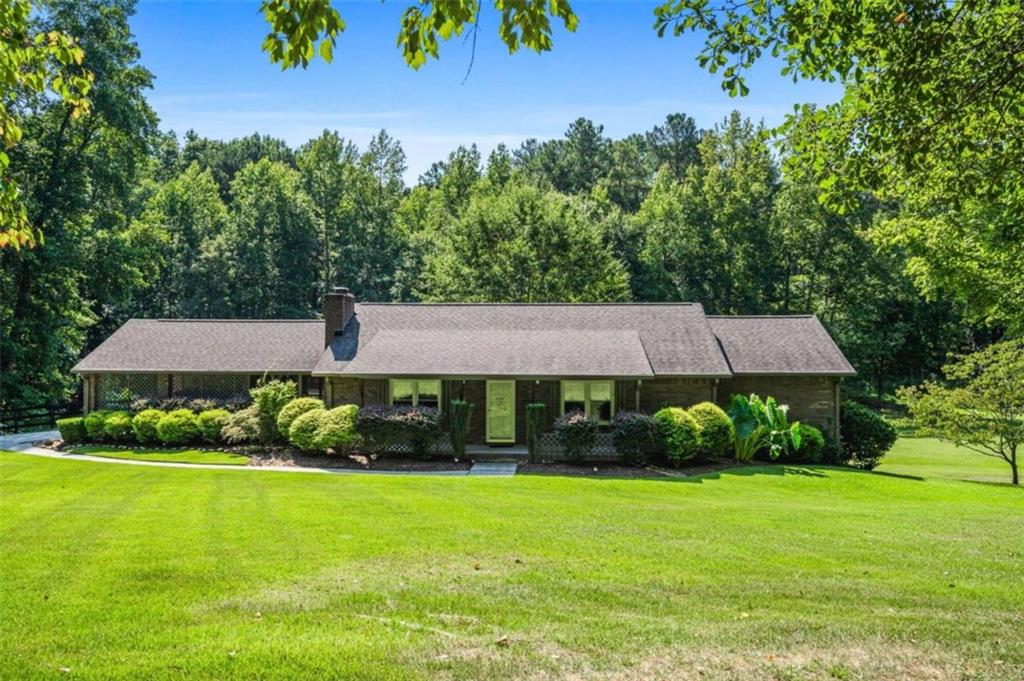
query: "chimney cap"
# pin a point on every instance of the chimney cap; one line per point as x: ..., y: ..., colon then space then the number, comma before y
x: 341, y: 289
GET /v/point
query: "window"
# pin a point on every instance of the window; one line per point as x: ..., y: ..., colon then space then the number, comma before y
x: 593, y: 398
x: 416, y: 393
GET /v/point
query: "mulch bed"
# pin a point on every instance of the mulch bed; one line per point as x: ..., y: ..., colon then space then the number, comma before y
x: 361, y: 463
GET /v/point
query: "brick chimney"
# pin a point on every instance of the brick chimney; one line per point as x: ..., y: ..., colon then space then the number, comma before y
x: 339, y: 306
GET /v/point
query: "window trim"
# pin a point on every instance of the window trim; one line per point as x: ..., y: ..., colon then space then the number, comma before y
x: 587, y: 409
x: 415, y: 389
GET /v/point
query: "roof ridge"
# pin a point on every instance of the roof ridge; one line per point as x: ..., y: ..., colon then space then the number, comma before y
x: 761, y: 316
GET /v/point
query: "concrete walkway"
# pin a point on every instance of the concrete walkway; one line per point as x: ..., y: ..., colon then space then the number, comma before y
x: 494, y: 469
x: 24, y: 444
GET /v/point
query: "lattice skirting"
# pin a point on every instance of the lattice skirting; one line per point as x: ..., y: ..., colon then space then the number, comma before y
x: 550, y: 450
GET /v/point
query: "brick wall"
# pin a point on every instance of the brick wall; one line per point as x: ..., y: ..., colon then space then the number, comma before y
x: 674, y: 392
x: 810, y: 398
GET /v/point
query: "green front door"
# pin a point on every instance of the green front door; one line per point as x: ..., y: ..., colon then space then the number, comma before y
x: 501, y: 411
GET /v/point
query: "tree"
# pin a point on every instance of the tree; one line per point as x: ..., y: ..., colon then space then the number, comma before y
x: 983, y: 407
x: 523, y: 244
x: 931, y: 118
x: 674, y: 144
x: 34, y: 59
x: 266, y: 251
x: 302, y: 28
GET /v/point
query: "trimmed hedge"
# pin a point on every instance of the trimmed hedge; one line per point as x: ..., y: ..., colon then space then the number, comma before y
x: 72, y: 430
x: 144, y: 425
x: 177, y: 427
x: 680, y: 434
x: 714, y: 428
x: 381, y: 427
x: 577, y: 434
x: 210, y: 423
x: 294, y: 409
x: 118, y: 426
x: 94, y: 424
x: 635, y: 435
x: 337, y: 429
x: 866, y: 435
x: 303, y: 430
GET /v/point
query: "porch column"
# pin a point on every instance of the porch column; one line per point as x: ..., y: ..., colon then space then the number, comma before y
x: 636, y: 395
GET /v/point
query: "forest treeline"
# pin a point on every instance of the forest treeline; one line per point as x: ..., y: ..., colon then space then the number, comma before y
x: 141, y: 223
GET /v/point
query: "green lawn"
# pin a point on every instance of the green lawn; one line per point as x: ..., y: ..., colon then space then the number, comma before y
x: 930, y: 458
x: 770, y: 572
x: 173, y: 455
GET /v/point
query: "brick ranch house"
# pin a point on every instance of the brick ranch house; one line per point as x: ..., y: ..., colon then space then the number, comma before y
x: 599, y: 358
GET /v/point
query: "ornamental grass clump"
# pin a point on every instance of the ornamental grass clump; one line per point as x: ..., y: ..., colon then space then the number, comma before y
x: 577, y: 434
x: 715, y: 428
x: 635, y: 436
x: 679, y: 434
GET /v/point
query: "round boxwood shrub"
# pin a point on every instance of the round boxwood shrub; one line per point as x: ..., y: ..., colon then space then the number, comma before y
x: 94, y: 424
x: 303, y: 430
x: 294, y: 409
x: 177, y: 428
x: 812, y: 444
x: 72, y: 430
x: 634, y: 435
x: 577, y: 433
x: 866, y: 435
x: 714, y: 428
x: 210, y: 423
x: 118, y: 426
x: 337, y: 429
x: 680, y: 434
x: 144, y: 425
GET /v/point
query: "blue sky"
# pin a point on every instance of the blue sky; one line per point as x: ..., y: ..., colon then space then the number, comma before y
x: 211, y: 76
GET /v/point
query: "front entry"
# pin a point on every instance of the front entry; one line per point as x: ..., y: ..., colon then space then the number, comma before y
x: 501, y: 411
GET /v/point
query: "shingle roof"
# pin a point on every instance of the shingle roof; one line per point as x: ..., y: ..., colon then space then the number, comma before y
x: 186, y: 346
x: 779, y: 345
x: 608, y: 340
x: 539, y: 340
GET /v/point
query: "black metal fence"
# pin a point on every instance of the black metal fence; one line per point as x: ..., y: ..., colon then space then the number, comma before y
x: 36, y: 417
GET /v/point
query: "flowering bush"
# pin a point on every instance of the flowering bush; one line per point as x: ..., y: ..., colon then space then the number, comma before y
x: 577, y: 433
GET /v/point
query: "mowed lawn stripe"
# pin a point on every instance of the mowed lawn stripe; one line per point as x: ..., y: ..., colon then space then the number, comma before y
x: 168, y: 572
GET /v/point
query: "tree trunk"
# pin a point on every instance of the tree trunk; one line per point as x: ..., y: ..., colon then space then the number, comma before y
x: 1013, y: 466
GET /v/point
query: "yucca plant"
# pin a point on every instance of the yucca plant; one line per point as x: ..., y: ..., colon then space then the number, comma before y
x: 762, y: 424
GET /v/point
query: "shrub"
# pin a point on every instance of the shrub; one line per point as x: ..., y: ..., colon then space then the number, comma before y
x: 866, y: 435
x: 577, y: 434
x: 634, y: 435
x: 94, y: 424
x: 118, y: 426
x: 761, y: 425
x: 177, y: 427
x: 461, y: 412
x: 811, y: 449
x: 679, y: 434
x: 241, y: 426
x: 237, y: 403
x: 302, y: 431
x: 534, y: 425
x: 210, y: 423
x: 381, y: 427
x: 269, y: 399
x: 72, y: 430
x: 201, y: 404
x: 170, y: 404
x: 141, y: 404
x: 714, y: 427
x: 294, y: 409
x: 144, y: 425
x: 337, y: 429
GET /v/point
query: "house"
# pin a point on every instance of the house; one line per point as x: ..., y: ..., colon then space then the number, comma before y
x: 599, y: 358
